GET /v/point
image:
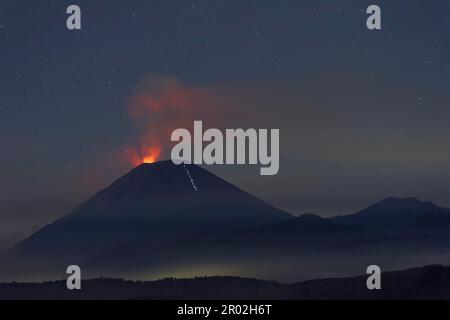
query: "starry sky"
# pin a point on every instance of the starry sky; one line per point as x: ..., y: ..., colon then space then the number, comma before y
x: 362, y: 114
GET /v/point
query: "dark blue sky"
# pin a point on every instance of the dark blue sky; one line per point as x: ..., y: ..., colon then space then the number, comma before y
x: 363, y: 114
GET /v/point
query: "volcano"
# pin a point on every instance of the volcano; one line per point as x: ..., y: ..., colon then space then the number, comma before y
x: 151, y: 207
x: 166, y: 220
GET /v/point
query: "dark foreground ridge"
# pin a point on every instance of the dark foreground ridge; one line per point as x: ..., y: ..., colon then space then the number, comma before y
x: 430, y: 282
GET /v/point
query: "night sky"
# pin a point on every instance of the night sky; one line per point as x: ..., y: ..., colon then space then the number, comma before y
x: 363, y: 115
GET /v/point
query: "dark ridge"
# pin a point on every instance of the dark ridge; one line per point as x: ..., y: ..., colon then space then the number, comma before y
x: 425, y: 283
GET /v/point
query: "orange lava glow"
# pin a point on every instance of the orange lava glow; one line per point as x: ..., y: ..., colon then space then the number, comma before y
x: 152, y: 155
x: 149, y: 155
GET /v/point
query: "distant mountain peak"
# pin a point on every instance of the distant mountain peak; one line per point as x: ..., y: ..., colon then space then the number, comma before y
x: 404, y: 200
x: 400, y: 213
x: 403, y: 204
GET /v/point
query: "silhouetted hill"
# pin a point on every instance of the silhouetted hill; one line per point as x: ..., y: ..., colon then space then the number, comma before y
x: 431, y: 282
x: 306, y: 232
x: 399, y: 215
x: 302, y: 225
